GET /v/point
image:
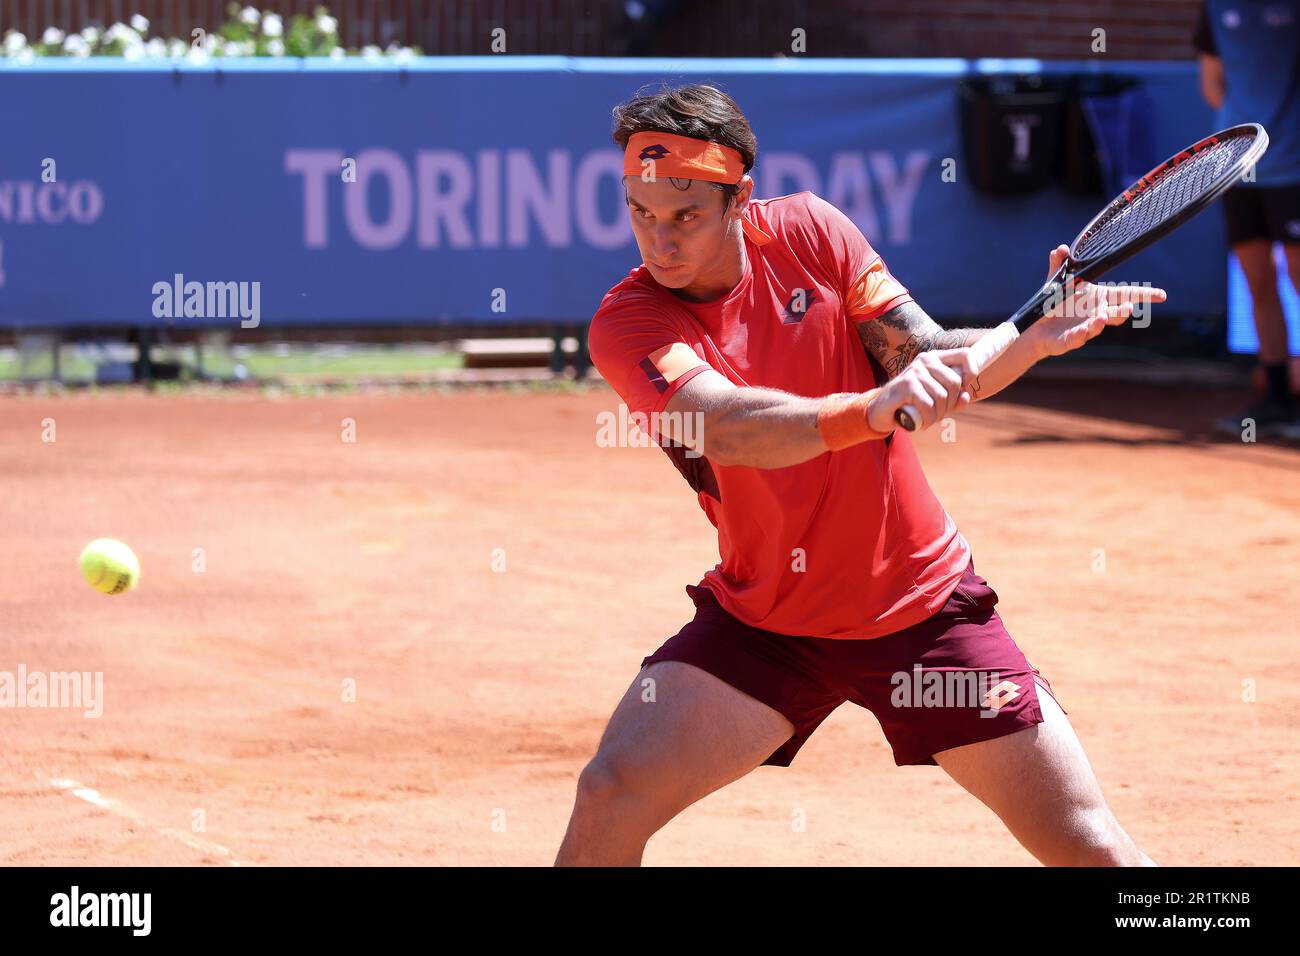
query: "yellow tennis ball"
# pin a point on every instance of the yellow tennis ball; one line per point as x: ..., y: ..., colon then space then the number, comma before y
x: 110, y: 566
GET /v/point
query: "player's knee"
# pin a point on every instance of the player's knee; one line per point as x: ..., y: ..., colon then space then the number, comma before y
x: 1097, y: 839
x: 609, y: 778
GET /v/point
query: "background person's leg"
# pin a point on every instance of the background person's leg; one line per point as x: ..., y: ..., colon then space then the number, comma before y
x: 1039, y: 782
x: 658, y: 757
x: 1274, y: 411
x: 1256, y: 258
x: 1292, y: 252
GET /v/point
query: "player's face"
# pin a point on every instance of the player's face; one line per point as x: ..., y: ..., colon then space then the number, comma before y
x: 682, y: 233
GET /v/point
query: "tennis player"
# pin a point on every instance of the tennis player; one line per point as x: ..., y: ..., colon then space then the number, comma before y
x: 775, y: 324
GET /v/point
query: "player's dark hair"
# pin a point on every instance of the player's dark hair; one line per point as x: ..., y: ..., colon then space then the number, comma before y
x: 700, y: 111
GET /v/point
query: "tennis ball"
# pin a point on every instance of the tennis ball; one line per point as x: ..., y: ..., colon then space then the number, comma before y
x: 110, y: 566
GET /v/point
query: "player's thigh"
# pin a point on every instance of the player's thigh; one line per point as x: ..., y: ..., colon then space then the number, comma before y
x: 1038, y: 780
x: 680, y: 733
x: 1256, y: 259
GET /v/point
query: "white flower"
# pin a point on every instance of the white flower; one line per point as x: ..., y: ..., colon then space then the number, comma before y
x: 156, y: 48
x: 176, y: 47
x: 275, y: 48
x: 91, y: 35
x: 249, y: 16
x: 403, y: 54
x: 14, y: 41
x: 134, y: 52
x: 197, y: 56
x: 120, y: 31
x: 371, y: 52
x: 74, y: 45
x: 25, y: 55
x: 140, y: 24
x: 272, y: 25
x: 232, y: 50
x: 52, y: 36
x: 247, y: 48
x: 338, y: 53
x: 326, y: 24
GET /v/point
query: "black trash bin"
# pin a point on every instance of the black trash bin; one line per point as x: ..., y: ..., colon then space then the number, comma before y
x: 1011, y: 127
x: 1081, y: 169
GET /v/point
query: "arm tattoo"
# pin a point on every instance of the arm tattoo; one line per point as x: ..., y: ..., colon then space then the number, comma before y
x: 873, y: 338
x: 896, y: 338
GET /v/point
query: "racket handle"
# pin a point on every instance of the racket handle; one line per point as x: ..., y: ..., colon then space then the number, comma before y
x: 982, y: 354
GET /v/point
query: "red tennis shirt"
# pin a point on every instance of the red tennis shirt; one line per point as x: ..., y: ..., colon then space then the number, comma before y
x: 851, y: 544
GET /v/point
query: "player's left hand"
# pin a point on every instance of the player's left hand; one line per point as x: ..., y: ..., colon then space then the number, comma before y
x: 1085, y: 310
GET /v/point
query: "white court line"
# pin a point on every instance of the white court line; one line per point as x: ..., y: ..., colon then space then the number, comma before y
x: 94, y: 797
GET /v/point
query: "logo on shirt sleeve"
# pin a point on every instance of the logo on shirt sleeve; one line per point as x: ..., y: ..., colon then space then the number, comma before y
x: 666, y: 365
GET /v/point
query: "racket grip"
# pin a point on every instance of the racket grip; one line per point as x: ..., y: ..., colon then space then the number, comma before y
x: 982, y: 354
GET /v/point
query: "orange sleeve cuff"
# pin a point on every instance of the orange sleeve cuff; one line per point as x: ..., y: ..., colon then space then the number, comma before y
x: 874, y: 292
x: 842, y: 420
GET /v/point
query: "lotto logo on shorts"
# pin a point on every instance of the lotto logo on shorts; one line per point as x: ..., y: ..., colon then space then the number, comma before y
x: 998, y: 697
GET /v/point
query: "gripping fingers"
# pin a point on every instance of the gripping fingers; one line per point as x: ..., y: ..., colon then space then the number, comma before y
x: 944, y: 386
x: 922, y: 406
x: 936, y: 390
x: 909, y: 417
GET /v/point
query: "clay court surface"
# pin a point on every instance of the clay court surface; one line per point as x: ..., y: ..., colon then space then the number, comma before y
x: 480, y: 693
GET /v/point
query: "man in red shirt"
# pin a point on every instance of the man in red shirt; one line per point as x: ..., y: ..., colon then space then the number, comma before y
x: 767, y: 347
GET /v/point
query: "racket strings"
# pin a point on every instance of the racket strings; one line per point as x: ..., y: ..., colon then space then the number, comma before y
x: 1169, y: 195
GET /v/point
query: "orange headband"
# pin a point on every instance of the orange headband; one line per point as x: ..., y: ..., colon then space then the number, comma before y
x: 681, y: 157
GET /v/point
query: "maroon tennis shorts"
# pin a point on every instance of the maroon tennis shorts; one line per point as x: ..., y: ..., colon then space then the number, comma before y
x: 955, y: 678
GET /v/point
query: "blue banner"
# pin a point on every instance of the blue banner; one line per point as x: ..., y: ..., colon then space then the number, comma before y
x: 486, y: 190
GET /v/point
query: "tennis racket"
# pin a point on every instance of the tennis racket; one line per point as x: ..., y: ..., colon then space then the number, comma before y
x: 1150, y: 209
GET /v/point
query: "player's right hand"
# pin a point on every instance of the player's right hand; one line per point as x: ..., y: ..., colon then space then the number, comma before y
x: 935, y: 385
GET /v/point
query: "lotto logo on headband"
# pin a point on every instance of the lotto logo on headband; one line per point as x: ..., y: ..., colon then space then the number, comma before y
x: 681, y: 157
